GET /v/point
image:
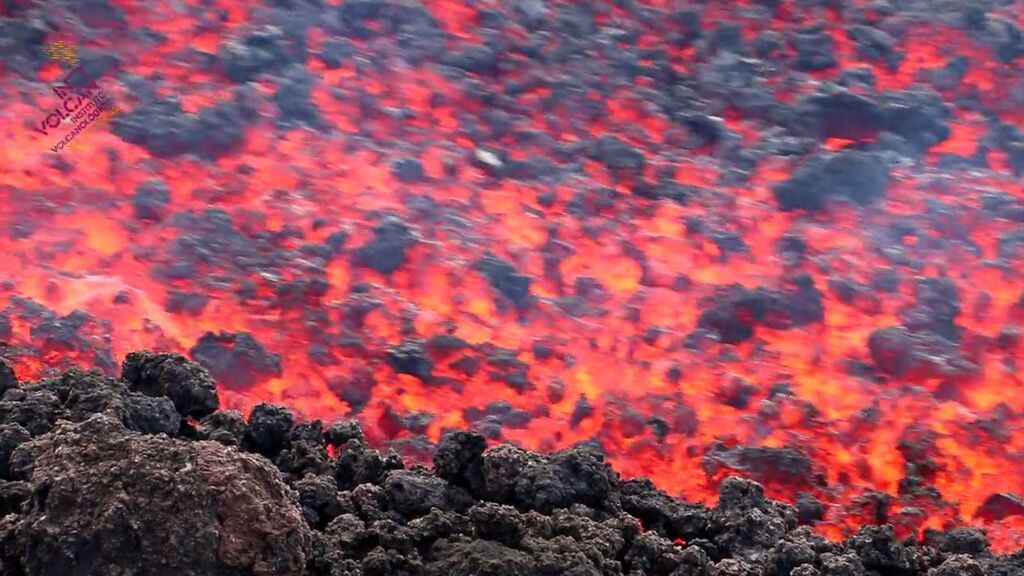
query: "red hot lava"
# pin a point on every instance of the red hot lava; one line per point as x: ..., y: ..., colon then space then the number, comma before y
x: 775, y: 238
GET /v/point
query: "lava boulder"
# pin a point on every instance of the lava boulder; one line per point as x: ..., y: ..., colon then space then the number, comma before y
x: 106, y: 501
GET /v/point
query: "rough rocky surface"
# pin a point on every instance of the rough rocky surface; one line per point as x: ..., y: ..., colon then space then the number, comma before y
x: 90, y: 486
x: 104, y: 500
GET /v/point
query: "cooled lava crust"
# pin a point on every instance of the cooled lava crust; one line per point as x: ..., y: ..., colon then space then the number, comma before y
x: 778, y: 239
x: 142, y: 476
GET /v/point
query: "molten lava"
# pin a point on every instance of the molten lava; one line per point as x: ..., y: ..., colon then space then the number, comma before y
x: 775, y: 239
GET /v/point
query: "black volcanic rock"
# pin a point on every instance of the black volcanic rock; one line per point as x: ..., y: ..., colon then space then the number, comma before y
x: 8, y: 379
x: 184, y: 382
x: 1001, y: 505
x: 858, y: 176
x: 618, y: 156
x: 875, y: 45
x: 21, y: 42
x: 918, y: 116
x: 262, y: 50
x: 411, y: 357
x: 840, y: 114
x: 356, y: 389
x: 187, y: 303
x: 506, y: 279
x: 334, y: 51
x: 292, y: 96
x: 408, y: 170
x: 151, y: 200
x: 164, y: 129
x: 268, y: 429
x: 385, y: 253
x: 901, y: 353
x: 367, y: 18
x: 737, y: 310
x: 226, y: 426
x: 815, y: 49
x: 770, y: 465
x: 731, y: 327
x: 236, y: 360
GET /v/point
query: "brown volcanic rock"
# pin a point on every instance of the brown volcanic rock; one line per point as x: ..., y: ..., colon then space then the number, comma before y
x: 108, y: 501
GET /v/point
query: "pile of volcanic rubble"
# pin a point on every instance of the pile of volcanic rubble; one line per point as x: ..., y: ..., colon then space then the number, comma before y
x: 143, y: 475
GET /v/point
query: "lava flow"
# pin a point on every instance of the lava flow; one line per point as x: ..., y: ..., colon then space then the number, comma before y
x: 780, y: 239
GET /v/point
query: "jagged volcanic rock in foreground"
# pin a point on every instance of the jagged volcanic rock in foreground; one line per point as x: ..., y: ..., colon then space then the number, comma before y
x: 105, y: 477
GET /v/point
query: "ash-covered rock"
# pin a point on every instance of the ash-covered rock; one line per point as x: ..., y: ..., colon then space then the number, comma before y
x: 87, y: 489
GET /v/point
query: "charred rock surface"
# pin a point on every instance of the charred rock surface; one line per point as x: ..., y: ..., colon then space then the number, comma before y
x: 87, y: 489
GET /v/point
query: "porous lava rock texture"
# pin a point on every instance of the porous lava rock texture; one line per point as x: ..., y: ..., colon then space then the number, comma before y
x: 105, y: 500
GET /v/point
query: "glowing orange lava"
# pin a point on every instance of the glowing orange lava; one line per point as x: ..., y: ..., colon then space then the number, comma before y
x: 73, y: 242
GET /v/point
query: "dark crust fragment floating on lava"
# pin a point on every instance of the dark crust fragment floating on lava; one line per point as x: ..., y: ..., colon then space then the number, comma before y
x: 87, y: 490
x: 236, y: 360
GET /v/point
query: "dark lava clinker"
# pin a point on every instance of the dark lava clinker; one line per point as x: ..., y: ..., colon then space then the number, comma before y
x: 86, y: 492
x: 506, y: 279
x: 902, y: 353
x: 236, y: 360
x: 858, y: 176
x: 164, y: 129
x: 737, y: 310
x: 184, y: 382
x: 262, y: 50
x: 151, y: 200
x: 386, y: 252
x: 106, y: 501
